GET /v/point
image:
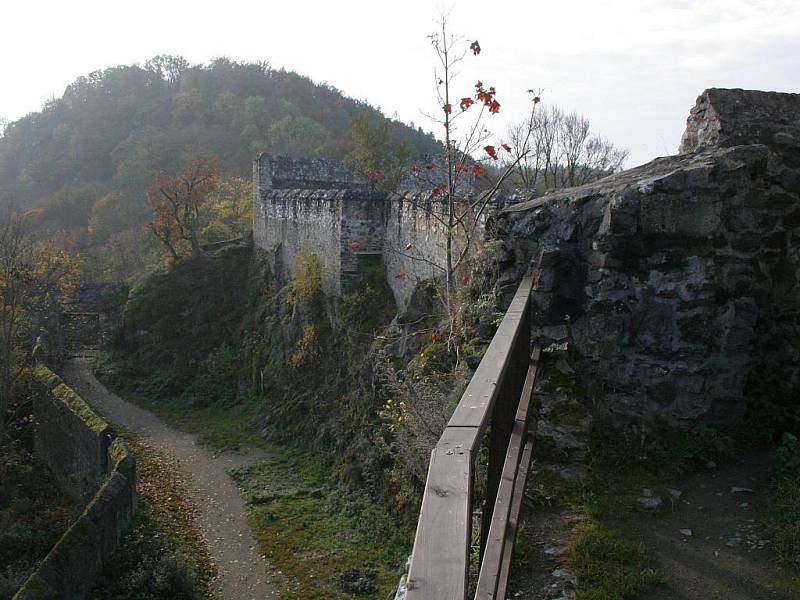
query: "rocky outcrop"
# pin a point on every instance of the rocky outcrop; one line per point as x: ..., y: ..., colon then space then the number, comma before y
x: 674, y: 281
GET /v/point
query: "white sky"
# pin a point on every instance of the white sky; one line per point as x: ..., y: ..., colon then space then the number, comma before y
x: 634, y: 67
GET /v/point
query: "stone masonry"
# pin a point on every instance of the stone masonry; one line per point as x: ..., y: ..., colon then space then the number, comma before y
x: 318, y: 206
x: 676, y: 280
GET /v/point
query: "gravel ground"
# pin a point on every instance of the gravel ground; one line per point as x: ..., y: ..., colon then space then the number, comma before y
x: 242, y: 574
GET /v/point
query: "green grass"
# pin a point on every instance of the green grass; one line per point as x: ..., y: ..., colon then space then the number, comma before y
x: 608, y: 565
x: 313, y: 529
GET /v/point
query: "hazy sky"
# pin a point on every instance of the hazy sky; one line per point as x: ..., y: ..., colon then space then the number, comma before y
x: 634, y: 67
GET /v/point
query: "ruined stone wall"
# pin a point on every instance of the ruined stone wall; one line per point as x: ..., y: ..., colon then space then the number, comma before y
x: 674, y: 281
x: 91, y: 463
x: 292, y: 221
x: 415, y: 242
x: 317, y: 206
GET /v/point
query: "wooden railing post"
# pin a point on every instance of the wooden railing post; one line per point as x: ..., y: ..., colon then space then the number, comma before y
x: 502, y: 419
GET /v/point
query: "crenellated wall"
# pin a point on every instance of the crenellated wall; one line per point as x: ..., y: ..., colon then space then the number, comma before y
x: 317, y: 206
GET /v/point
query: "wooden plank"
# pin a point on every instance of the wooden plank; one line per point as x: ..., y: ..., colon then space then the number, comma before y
x: 440, y: 559
x: 493, y: 556
x: 513, y: 520
x: 527, y: 388
x: 496, y: 532
x: 475, y: 406
x: 512, y: 393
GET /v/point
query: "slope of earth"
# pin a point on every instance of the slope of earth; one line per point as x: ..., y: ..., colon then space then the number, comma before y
x: 714, y: 542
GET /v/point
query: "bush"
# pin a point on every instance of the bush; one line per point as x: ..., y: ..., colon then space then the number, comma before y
x: 306, y: 277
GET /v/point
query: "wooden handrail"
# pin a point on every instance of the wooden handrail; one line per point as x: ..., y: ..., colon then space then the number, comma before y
x: 498, y: 395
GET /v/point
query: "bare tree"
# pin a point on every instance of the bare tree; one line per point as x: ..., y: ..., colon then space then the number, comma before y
x: 563, y: 151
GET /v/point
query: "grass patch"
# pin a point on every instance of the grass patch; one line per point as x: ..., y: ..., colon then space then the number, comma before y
x: 323, y: 538
x: 608, y: 565
x: 326, y: 541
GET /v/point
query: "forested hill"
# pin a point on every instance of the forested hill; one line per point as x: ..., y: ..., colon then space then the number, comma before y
x: 112, y: 130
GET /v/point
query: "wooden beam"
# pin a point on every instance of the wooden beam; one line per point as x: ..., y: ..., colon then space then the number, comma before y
x: 495, y: 545
x: 513, y: 520
x: 496, y: 540
x: 440, y: 559
x: 475, y: 406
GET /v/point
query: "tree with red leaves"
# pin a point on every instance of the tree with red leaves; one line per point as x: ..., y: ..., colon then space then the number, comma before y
x: 467, y: 143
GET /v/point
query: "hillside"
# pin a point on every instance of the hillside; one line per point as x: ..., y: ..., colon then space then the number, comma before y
x: 84, y: 162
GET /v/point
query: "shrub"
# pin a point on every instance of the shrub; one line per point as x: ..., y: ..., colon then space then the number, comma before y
x: 306, y: 275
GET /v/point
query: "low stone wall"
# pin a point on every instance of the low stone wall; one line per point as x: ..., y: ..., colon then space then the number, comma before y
x: 88, y: 459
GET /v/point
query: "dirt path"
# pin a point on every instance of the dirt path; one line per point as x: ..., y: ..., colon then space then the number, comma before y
x: 714, y: 544
x: 710, y: 544
x: 242, y: 572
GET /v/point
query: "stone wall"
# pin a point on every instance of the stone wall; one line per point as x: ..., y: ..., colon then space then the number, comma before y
x: 674, y: 281
x: 91, y: 463
x: 317, y: 206
x: 415, y: 242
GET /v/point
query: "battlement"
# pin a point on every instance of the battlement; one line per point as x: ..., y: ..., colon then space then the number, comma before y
x: 319, y: 206
x: 284, y: 173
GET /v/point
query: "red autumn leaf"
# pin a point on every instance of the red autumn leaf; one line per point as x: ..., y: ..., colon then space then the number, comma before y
x: 400, y: 275
x: 436, y: 192
x: 475, y: 47
x: 465, y: 168
x: 536, y: 99
x: 479, y: 85
x: 466, y: 103
x: 476, y: 169
x: 353, y: 245
x: 491, y: 151
x: 448, y: 108
x: 506, y: 147
x: 429, y: 166
x: 494, y: 107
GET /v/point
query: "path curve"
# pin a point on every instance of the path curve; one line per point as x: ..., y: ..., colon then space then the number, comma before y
x: 241, y: 572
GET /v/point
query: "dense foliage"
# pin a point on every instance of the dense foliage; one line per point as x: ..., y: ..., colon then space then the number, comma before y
x: 84, y: 162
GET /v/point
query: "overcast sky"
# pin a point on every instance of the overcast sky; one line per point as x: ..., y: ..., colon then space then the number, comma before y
x: 633, y: 67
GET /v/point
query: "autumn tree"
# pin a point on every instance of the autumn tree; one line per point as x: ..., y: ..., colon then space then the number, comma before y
x: 228, y: 214
x: 34, y: 278
x: 470, y: 173
x: 377, y: 156
x: 177, y: 203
